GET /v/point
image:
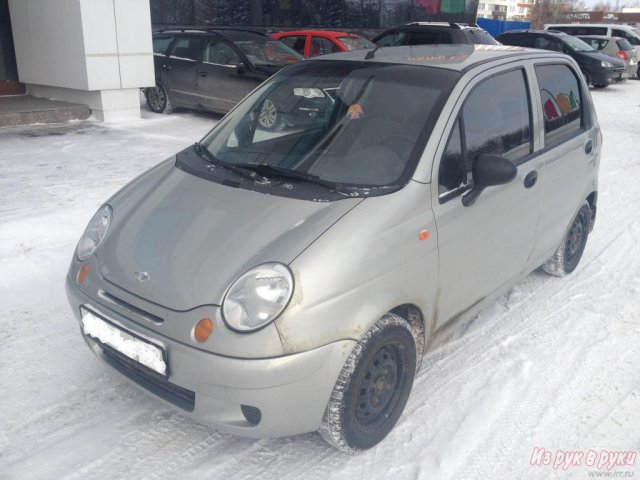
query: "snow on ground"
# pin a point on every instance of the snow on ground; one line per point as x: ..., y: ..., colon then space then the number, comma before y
x: 553, y: 364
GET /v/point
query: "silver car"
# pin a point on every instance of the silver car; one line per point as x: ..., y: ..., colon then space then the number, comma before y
x: 615, y: 47
x: 272, y: 283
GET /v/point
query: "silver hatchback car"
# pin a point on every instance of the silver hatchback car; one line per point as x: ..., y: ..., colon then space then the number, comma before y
x: 275, y: 282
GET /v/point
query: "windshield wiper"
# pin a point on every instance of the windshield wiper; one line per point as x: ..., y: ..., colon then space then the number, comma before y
x: 305, y: 177
x: 206, y: 154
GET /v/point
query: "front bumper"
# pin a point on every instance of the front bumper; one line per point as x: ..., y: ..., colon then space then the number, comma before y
x: 290, y: 391
x: 605, y: 76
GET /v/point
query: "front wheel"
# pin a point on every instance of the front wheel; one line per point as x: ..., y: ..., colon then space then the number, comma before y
x: 566, y: 258
x: 158, y: 99
x: 372, y: 388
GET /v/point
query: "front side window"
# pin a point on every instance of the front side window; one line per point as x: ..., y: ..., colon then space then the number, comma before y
x: 220, y: 53
x: 265, y: 51
x: 188, y: 48
x: 392, y: 39
x: 561, y: 102
x: 322, y: 46
x: 546, y: 43
x: 496, y: 120
x: 358, y: 124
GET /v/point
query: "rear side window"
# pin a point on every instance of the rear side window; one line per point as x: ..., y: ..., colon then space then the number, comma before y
x: 561, y: 102
x: 161, y: 44
x: 546, y: 43
x: 495, y: 119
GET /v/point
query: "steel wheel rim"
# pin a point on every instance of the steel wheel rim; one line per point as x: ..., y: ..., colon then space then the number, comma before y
x: 380, y: 387
x: 156, y: 98
x: 268, y: 114
x: 574, y: 240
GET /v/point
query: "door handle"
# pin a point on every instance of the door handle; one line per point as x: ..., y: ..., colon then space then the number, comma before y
x: 588, y: 147
x: 531, y: 179
x: 166, y: 67
x: 202, y: 73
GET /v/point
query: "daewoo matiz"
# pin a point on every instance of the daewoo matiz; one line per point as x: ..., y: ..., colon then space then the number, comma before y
x: 279, y: 282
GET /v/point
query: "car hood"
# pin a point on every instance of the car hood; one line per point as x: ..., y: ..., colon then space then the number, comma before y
x: 600, y: 57
x: 193, y: 237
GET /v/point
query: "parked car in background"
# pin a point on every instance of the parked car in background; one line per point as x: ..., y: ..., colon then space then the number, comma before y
x: 631, y: 34
x: 214, y: 69
x: 598, y: 69
x: 615, y: 47
x: 272, y: 284
x: 311, y: 43
x: 424, y: 33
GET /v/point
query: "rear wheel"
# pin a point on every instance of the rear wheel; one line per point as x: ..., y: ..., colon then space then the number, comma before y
x: 566, y: 258
x: 269, y: 118
x: 372, y: 388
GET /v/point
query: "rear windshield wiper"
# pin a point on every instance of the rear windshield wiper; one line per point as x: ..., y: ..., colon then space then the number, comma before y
x: 204, y: 152
x: 267, y: 169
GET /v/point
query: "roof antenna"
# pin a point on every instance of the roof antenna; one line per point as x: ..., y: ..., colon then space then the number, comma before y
x: 371, y: 53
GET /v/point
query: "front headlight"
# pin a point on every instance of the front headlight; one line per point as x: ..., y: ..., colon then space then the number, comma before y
x: 606, y: 64
x: 257, y: 297
x: 94, y: 233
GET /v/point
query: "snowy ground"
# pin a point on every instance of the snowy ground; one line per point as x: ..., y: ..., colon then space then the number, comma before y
x: 553, y: 364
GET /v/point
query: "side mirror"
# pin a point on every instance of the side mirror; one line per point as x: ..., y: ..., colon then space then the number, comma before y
x: 488, y: 171
x: 241, y: 68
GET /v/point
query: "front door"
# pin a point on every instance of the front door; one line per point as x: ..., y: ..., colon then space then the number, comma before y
x: 487, y: 244
x: 179, y: 70
x: 221, y: 77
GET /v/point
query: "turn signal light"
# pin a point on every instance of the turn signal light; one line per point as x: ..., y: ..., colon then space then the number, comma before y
x: 203, y: 329
x: 83, y: 273
x: 424, y: 235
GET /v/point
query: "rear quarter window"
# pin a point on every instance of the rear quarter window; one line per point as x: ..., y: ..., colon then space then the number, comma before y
x: 562, y: 104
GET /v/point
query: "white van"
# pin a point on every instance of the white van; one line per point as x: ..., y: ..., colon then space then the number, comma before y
x: 632, y: 34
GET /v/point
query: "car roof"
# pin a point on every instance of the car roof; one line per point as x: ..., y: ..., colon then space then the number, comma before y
x: 459, y: 57
x: 230, y: 33
x: 537, y: 32
x: 320, y: 33
x: 447, y: 25
x: 611, y: 25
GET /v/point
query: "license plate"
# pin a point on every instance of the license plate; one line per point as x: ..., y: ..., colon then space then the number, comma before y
x: 128, y: 344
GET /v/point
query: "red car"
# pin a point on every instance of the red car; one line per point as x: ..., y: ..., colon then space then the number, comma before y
x: 312, y: 43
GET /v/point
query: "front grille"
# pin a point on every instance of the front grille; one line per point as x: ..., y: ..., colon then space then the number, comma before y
x: 147, y: 378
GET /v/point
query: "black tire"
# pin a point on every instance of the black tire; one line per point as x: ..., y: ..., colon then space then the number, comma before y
x: 566, y: 258
x: 269, y: 118
x: 600, y: 85
x: 158, y: 99
x: 587, y: 78
x: 372, y: 388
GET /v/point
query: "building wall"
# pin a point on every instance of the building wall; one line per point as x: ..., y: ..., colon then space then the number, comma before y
x: 337, y: 14
x: 77, y: 50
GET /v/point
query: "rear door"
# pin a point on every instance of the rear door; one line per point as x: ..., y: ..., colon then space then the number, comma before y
x: 221, y: 78
x: 180, y: 69
x: 569, y: 151
x: 488, y: 244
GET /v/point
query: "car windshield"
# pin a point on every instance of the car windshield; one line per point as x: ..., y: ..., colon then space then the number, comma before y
x: 356, y: 43
x: 576, y: 44
x: 266, y: 51
x: 357, y: 124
